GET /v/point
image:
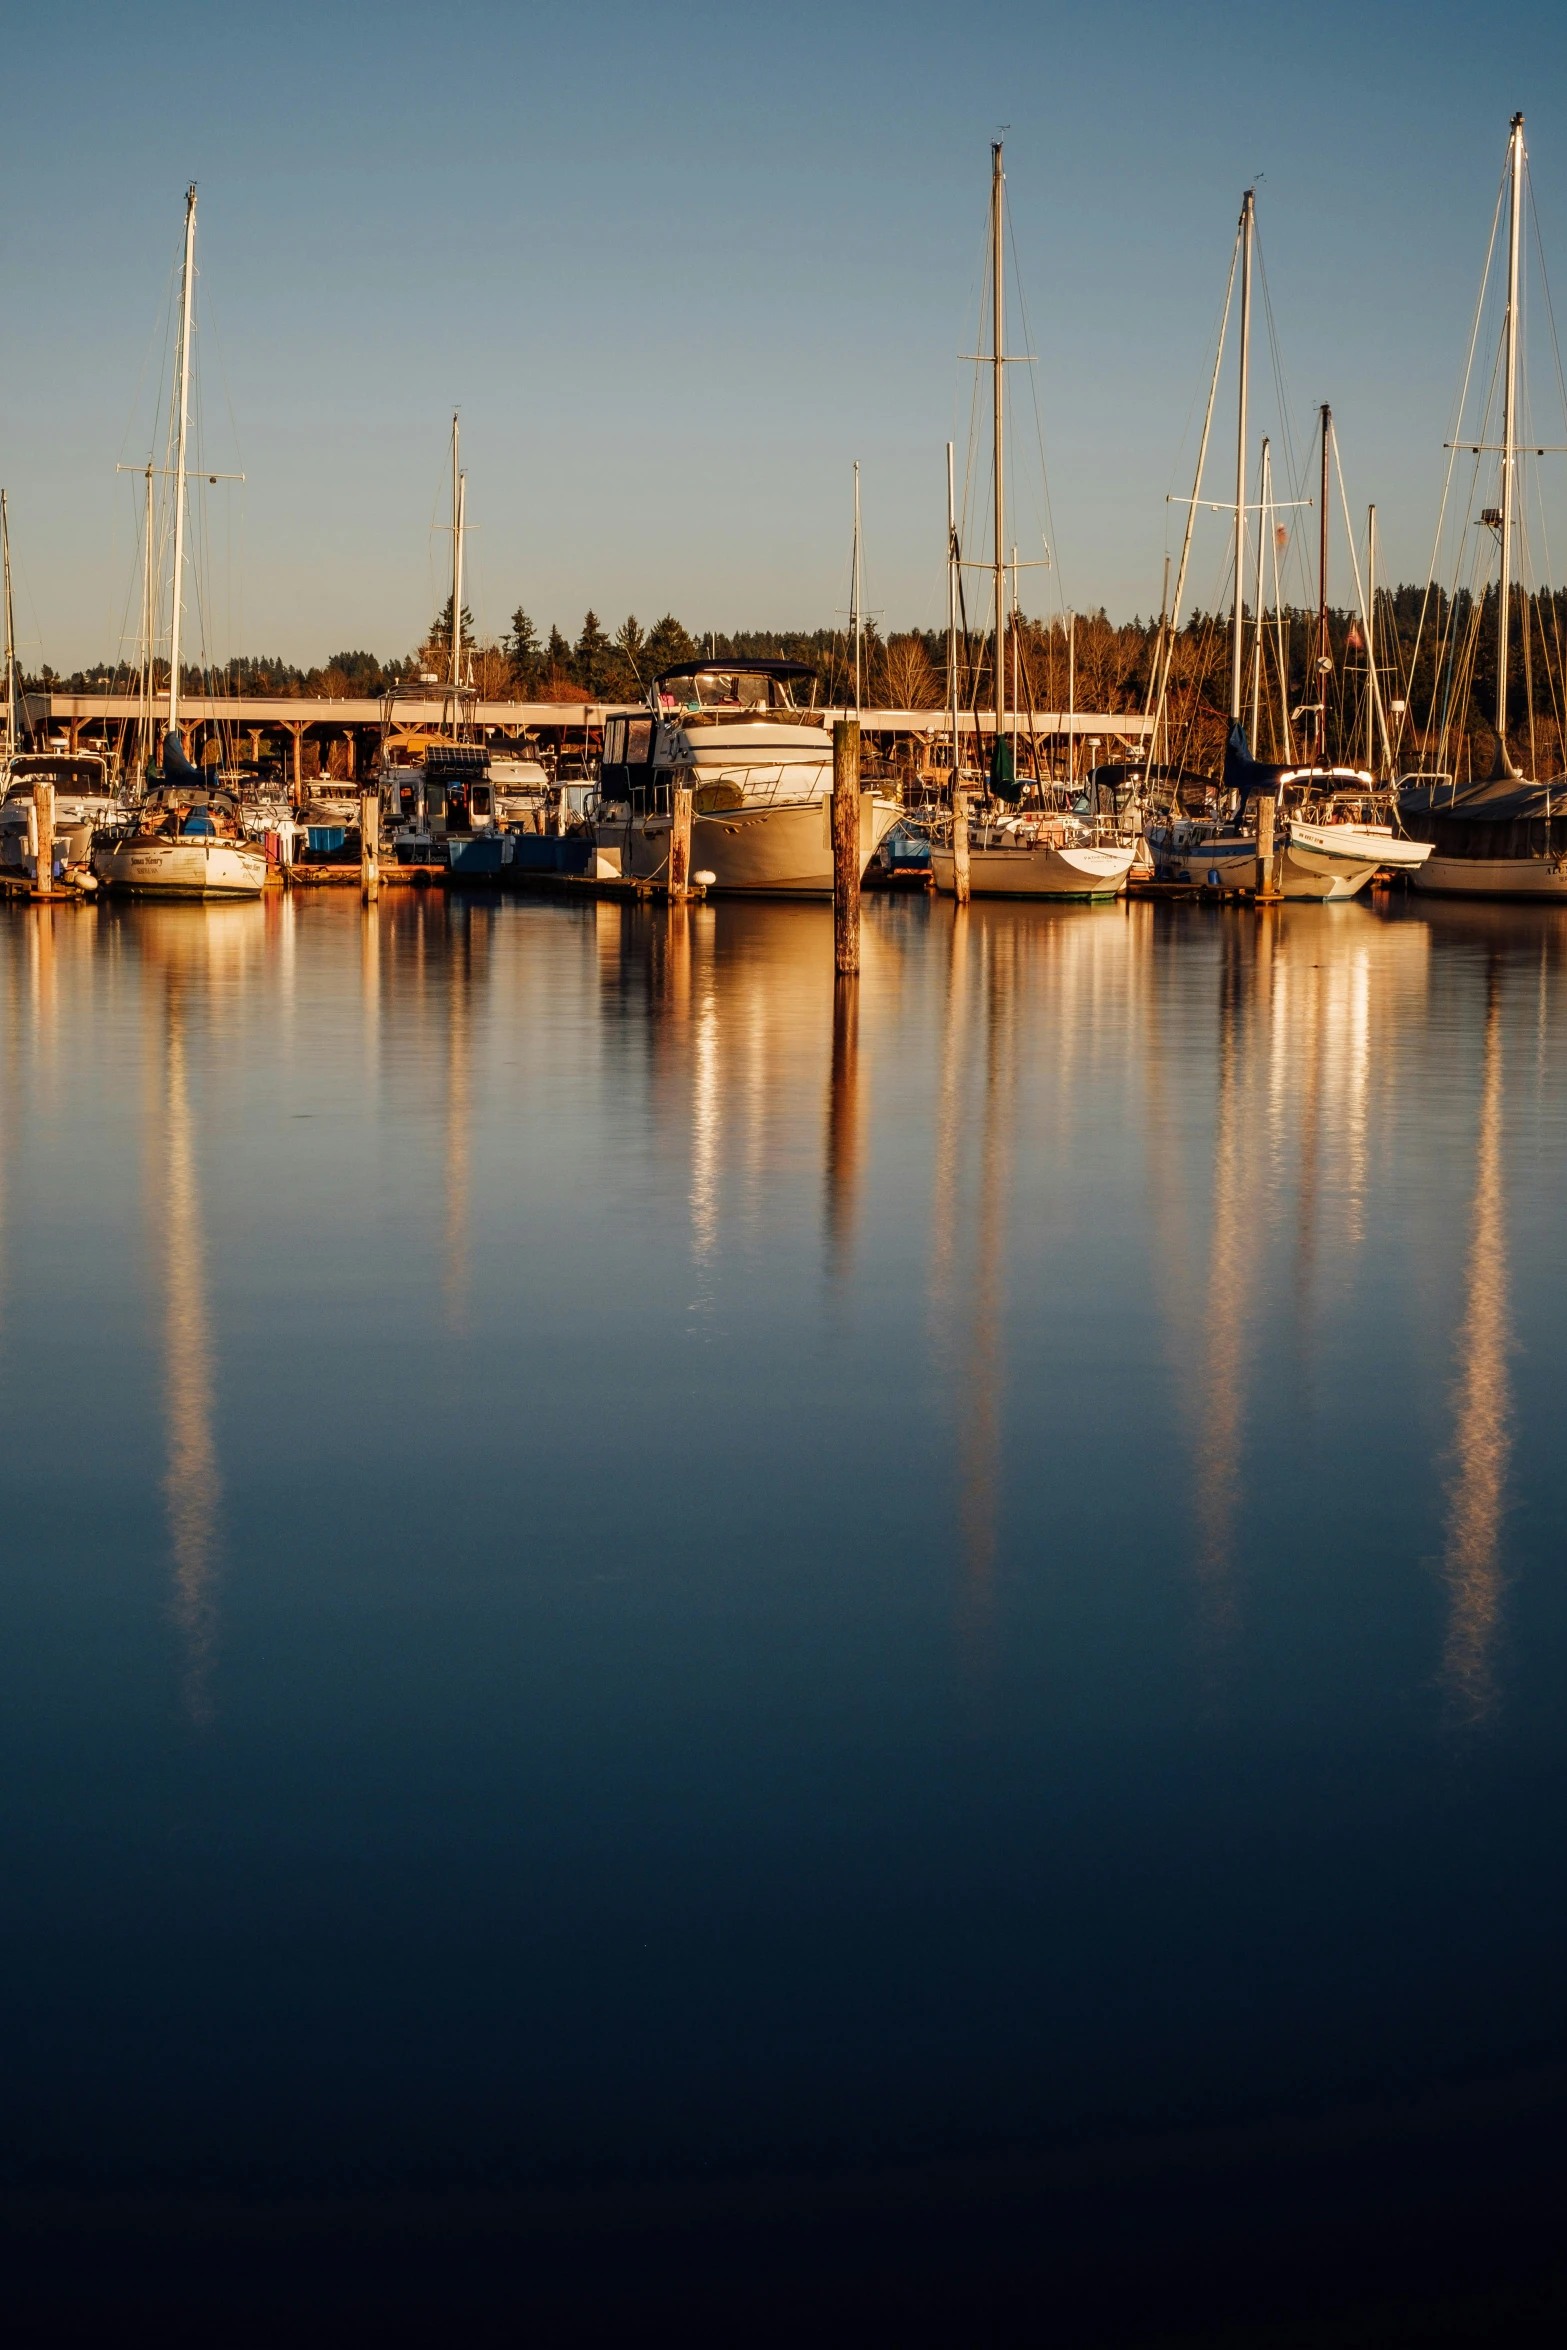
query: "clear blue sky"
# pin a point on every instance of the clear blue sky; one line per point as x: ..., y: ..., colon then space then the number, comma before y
x: 680, y: 264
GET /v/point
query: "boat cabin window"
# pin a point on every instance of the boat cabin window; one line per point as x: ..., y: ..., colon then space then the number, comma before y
x: 726, y: 689
x: 628, y: 742
x: 481, y: 799
x: 88, y: 776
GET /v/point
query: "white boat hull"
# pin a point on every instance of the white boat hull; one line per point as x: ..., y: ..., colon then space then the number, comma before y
x: 1333, y: 862
x: 783, y: 851
x: 1037, y: 869
x: 1326, y: 864
x: 1226, y: 864
x: 1492, y: 877
x: 183, y: 868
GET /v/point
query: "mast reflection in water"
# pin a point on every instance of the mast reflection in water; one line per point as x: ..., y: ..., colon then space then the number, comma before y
x: 968, y: 1254
x: 843, y: 1127
x: 192, y: 1483
x: 1482, y: 1406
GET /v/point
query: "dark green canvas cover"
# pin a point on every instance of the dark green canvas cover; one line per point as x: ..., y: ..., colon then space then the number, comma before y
x: 1003, y: 773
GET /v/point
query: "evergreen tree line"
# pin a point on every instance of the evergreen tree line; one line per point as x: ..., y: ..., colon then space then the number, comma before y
x: 1434, y: 653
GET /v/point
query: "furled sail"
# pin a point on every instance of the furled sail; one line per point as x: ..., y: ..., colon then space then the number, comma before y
x: 177, y: 768
x: 1243, y: 773
x: 1004, y: 784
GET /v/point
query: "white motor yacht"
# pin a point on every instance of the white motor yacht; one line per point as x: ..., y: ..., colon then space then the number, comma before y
x: 760, y: 772
x: 83, y: 805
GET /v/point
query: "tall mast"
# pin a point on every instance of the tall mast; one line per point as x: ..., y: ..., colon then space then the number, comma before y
x: 1014, y: 660
x: 1509, y: 437
x: 1371, y: 640
x: 952, y: 614
x: 998, y: 374
x: 1237, y: 651
x: 10, y: 632
x: 1160, y: 741
x: 1324, y: 652
x: 856, y: 622
x: 187, y: 295
x: 1071, y: 697
x: 1264, y: 483
x: 457, y: 503
x: 148, y: 627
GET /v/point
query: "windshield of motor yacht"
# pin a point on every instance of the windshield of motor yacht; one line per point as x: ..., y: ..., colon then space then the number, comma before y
x: 68, y: 772
x: 750, y: 692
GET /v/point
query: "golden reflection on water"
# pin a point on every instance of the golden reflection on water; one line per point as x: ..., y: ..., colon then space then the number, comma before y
x: 1357, y: 1023
x: 745, y: 1030
x: 968, y: 1271
x: 455, y: 1171
x: 706, y: 1117
x: 1308, y: 1049
x: 982, y: 1390
x: 949, y: 1123
x: 1305, y: 1008
x: 201, y: 956
x: 1482, y: 1410
x: 843, y: 1126
x: 1250, y: 1061
x: 370, y: 997
x: 42, y: 948
x: 1234, y: 1244
x: 192, y: 1481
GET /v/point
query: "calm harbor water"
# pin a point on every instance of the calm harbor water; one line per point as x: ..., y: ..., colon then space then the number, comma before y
x: 614, y: 1573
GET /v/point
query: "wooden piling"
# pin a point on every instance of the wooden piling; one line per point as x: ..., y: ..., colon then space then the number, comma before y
x: 369, y: 846
x: 959, y: 844
x: 43, y: 843
x: 1265, y: 888
x: 846, y: 847
x: 679, y: 843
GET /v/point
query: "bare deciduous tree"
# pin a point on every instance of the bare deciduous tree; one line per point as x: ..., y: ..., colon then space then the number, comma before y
x: 905, y: 675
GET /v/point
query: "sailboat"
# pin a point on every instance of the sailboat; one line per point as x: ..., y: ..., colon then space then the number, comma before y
x: 1331, y: 829
x: 1501, y: 837
x: 437, y: 793
x: 187, y: 838
x: 1007, y: 849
